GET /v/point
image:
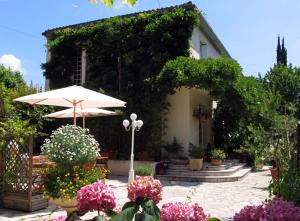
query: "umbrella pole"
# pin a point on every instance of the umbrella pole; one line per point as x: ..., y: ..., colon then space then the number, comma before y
x: 74, y: 115
x: 83, y: 121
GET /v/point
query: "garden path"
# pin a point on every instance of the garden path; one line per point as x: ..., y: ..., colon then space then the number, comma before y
x: 219, y: 199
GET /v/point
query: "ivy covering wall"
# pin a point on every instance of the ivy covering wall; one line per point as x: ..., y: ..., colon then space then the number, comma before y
x: 125, y: 55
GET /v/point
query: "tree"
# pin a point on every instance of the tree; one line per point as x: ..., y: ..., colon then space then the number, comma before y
x: 281, y: 55
x: 109, y: 3
x: 284, y: 81
x: 278, y: 51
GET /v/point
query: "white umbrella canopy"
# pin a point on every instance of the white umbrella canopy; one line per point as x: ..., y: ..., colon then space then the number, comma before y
x: 88, y: 112
x: 72, y: 96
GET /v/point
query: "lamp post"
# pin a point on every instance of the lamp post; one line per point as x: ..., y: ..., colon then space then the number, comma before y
x: 135, y: 125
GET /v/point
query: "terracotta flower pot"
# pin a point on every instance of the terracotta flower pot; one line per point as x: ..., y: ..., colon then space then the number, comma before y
x: 68, y: 204
x: 274, y: 173
x: 216, y: 162
x: 196, y: 164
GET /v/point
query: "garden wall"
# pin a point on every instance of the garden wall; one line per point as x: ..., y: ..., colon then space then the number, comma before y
x: 121, y: 167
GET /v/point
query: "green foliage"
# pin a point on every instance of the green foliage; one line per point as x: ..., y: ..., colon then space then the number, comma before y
x: 125, y: 54
x: 174, y: 147
x: 284, y: 81
x: 10, y: 79
x: 18, y: 120
x: 289, y: 185
x: 144, y: 170
x: 218, y: 154
x: 149, y: 211
x: 196, y: 152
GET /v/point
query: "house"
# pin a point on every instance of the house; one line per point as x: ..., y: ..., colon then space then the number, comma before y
x: 189, y: 115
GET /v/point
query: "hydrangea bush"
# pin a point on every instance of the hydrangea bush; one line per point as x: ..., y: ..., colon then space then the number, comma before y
x: 145, y: 187
x: 95, y: 197
x: 250, y: 213
x: 275, y: 210
x: 182, y: 212
x: 71, y: 145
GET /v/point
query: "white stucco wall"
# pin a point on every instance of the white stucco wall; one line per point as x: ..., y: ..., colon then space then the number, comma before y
x: 199, y: 37
x: 180, y: 120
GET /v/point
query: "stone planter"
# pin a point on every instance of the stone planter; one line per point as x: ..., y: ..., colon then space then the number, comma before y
x: 68, y: 204
x: 216, y: 162
x: 196, y: 164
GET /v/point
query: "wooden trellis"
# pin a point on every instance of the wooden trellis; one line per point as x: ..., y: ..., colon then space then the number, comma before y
x: 17, y: 176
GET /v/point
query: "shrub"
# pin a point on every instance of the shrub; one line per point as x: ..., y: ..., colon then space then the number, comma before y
x: 145, y: 170
x: 182, y: 212
x: 275, y: 210
x: 218, y: 154
x: 196, y: 152
x: 250, y: 213
x: 95, y: 197
x: 71, y: 145
x: 281, y: 210
x: 174, y: 147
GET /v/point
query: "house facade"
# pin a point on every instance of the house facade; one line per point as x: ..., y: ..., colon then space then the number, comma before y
x: 189, y: 117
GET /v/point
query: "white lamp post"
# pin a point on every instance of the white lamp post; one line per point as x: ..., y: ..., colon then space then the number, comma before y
x: 135, y: 125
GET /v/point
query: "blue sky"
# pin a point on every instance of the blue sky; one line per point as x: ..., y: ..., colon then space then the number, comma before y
x: 248, y: 29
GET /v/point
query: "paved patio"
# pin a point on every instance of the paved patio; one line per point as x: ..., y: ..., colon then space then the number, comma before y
x: 218, y: 199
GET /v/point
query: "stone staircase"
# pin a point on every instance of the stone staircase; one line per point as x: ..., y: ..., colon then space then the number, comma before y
x: 229, y: 171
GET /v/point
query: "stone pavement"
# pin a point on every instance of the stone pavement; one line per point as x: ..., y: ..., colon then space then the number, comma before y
x: 222, y: 200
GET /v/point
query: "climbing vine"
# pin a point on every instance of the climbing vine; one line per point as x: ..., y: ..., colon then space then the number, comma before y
x: 124, y: 56
x: 141, y: 59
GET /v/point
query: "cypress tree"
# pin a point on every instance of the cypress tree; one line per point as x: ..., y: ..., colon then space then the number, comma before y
x: 279, y: 54
x: 283, y: 54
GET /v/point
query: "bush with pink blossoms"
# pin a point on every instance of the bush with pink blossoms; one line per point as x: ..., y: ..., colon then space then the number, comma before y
x: 95, y: 197
x: 250, y: 213
x: 145, y: 187
x: 280, y: 210
x: 182, y: 212
x: 275, y: 210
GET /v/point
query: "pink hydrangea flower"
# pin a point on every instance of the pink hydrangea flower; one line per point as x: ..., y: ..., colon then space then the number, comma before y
x: 250, y: 213
x: 182, y: 212
x: 281, y: 210
x: 145, y: 187
x: 95, y: 196
x: 60, y: 218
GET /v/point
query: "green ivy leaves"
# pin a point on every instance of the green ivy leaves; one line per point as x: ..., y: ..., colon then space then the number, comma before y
x: 109, y: 3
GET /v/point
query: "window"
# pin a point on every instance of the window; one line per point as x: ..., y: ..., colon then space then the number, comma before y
x: 203, y: 50
x: 78, y: 68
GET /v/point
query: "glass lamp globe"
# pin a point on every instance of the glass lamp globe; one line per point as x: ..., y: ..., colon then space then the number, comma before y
x: 133, y: 116
x: 125, y: 123
x: 140, y: 123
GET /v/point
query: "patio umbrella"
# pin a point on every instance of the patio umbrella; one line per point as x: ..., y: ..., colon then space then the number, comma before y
x: 88, y: 112
x: 72, y: 96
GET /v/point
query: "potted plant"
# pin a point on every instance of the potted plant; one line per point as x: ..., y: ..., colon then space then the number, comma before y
x: 61, y: 184
x: 74, y: 151
x: 217, y: 156
x: 161, y: 168
x: 196, y: 153
x: 174, y: 150
x: 144, y: 170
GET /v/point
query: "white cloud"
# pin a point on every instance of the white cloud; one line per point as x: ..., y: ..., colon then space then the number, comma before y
x: 12, y: 62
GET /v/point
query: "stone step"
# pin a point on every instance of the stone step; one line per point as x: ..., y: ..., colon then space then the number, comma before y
x: 207, y: 166
x: 213, y: 179
x: 189, y: 172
